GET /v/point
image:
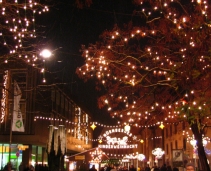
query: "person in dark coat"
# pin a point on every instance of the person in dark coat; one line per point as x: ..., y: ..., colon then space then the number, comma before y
x: 169, y: 168
x: 175, y: 169
x: 8, y: 167
x: 26, y: 168
x: 163, y: 168
x: 132, y: 168
x: 147, y: 168
x: 20, y: 167
x: 93, y: 168
x: 156, y: 168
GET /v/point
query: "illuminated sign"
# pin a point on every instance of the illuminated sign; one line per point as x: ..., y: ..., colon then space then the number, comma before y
x: 4, y: 149
x: 82, y: 157
x: 117, y: 142
x: 118, y: 146
x: 22, y: 147
x: 125, y: 160
x: 120, y: 130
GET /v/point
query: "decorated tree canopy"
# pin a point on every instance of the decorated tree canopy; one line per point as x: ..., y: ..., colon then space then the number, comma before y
x: 157, y: 67
x: 18, y: 34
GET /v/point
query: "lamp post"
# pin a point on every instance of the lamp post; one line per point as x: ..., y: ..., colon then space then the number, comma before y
x: 45, y: 53
x: 56, y: 147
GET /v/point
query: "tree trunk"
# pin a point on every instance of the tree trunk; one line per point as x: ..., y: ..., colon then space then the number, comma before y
x: 56, y: 162
x: 53, y: 162
x: 201, y: 153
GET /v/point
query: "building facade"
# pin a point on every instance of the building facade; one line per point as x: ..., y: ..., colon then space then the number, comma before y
x: 177, y: 142
x: 40, y: 106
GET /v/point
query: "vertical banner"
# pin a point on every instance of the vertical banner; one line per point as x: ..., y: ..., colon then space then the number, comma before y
x: 17, y: 122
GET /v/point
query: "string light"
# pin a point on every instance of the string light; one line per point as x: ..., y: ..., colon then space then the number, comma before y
x: 163, y: 62
x: 141, y: 157
x: 96, y: 155
x: 93, y: 126
x: 127, y: 128
x: 19, y: 27
x: 158, y: 152
x: 99, y: 124
x: 4, y: 95
x: 161, y: 125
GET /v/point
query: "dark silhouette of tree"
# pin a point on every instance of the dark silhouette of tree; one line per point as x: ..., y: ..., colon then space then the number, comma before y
x: 157, y: 68
x: 56, y: 148
x: 83, y: 3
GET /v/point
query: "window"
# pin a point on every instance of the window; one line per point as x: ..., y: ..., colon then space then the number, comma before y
x: 166, y: 133
x: 184, y: 143
x: 176, y: 145
x: 175, y: 128
x: 170, y: 130
x: 183, y: 125
x: 167, y: 149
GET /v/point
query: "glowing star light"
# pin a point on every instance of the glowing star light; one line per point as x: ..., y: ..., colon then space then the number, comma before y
x: 161, y: 125
x: 141, y: 141
x: 93, y: 126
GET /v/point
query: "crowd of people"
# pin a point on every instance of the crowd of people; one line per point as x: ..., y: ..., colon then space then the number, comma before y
x: 26, y: 167
x: 115, y: 168
x: 39, y: 167
x: 164, y: 167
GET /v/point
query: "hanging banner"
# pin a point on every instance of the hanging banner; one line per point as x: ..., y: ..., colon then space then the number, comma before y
x: 17, y: 122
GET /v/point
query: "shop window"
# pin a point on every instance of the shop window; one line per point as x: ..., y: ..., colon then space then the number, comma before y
x: 34, y: 155
x: 39, y: 155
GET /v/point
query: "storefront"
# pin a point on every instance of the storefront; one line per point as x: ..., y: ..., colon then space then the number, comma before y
x: 28, y: 154
x: 85, y: 160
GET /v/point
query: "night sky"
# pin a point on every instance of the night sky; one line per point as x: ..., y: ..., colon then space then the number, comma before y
x: 66, y: 28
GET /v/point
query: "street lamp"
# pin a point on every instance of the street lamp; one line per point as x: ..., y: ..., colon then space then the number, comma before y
x: 45, y: 53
